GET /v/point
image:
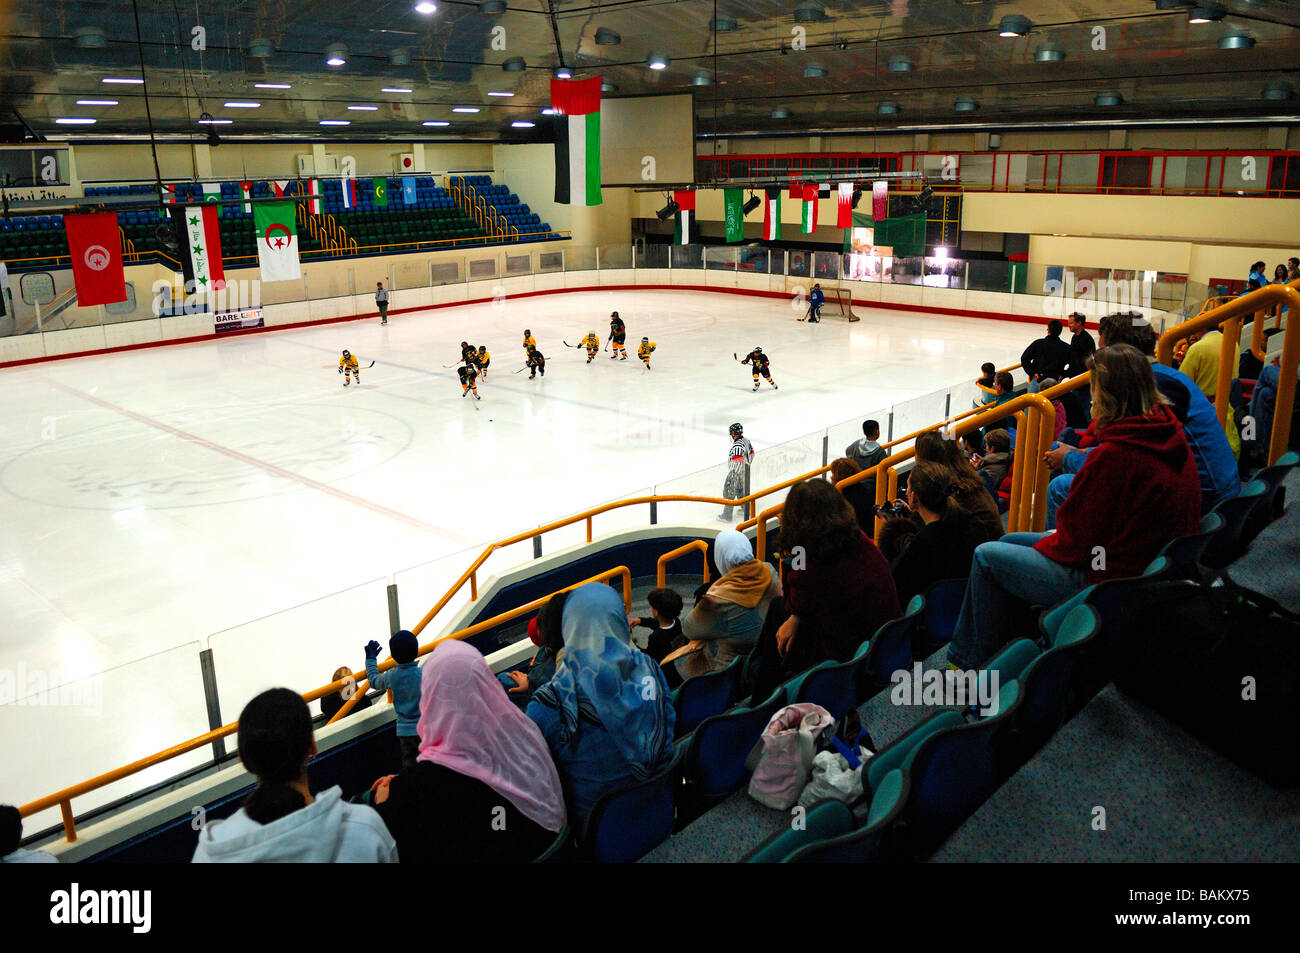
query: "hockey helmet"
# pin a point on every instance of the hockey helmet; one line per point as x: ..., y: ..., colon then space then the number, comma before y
x: 347, y: 353
x: 736, y: 430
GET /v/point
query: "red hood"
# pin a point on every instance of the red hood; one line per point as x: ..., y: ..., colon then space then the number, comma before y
x: 1158, y: 433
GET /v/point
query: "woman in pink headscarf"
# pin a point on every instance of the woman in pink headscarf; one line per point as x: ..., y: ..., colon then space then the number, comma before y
x: 484, y: 787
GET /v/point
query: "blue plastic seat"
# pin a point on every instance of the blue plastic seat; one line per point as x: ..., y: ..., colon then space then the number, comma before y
x: 833, y: 685
x: 1271, y: 503
x: 626, y: 824
x: 942, y: 606
x: 890, y: 649
x: 1226, y: 545
x: 823, y: 821
x: 714, y: 754
x: 704, y: 696
x: 559, y: 849
x: 1185, y: 552
x: 870, y: 843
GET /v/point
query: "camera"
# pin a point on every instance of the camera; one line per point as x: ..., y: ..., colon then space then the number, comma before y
x: 892, y: 509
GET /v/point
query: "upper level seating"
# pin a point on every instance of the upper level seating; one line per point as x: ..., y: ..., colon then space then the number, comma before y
x: 517, y: 214
x: 433, y: 217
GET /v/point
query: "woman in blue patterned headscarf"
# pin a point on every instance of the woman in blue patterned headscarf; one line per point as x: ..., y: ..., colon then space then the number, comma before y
x: 606, y: 714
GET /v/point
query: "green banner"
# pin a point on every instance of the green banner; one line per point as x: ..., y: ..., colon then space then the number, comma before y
x: 734, y: 200
x: 905, y: 234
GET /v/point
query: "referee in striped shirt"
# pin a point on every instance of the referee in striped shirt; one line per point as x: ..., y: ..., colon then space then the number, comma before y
x: 739, y: 458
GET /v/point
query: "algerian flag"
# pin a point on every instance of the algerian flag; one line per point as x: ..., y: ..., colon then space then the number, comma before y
x: 381, y: 192
x: 735, y: 214
x: 277, y: 241
x: 199, y: 237
x: 684, y: 218
x: 212, y: 193
x: 577, y: 140
x: 771, y: 214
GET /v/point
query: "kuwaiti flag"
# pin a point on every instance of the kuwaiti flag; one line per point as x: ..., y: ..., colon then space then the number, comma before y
x: 212, y: 193
x: 772, y: 214
x: 577, y: 140
x: 277, y: 241
x: 809, y: 209
x: 685, y: 217
x: 199, y: 235
x: 246, y: 190
x: 313, y: 204
x: 349, y: 193
x: 844, y: 210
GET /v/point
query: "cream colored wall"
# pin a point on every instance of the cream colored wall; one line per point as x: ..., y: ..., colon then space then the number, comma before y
x: 1111, y: 253
x: 529, y: 170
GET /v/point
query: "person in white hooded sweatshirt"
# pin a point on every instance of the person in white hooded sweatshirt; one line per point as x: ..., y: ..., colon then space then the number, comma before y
x: 281, y: 821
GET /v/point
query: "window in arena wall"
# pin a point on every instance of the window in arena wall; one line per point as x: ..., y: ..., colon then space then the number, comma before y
x: 550, y: 261
x: 482, y: 268
x: 37, y: 287
x: 123, y: 307
x: 446, y: 272
x: 518, y: 264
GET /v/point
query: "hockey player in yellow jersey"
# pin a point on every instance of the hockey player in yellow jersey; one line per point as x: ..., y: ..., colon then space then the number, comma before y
x: 645, y: 350
x: 529, y: 340
x: 592, y: 344
x: 483, y: 359
x: 348, y: 366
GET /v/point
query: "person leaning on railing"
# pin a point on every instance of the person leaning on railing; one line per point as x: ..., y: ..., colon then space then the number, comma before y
x: 1139, y: 490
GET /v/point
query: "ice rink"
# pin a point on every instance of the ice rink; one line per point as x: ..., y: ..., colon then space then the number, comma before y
x: 155, y: 500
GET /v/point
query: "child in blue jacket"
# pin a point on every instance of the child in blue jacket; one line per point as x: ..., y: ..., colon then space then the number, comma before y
x: 404, y: 682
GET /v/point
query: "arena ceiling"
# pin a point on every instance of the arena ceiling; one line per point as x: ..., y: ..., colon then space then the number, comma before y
x: 768, y: 67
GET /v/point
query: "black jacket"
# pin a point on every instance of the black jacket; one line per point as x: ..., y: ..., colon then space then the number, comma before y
x: 1046, y: 357
x: 1081, y: 347
x: 941, y: 550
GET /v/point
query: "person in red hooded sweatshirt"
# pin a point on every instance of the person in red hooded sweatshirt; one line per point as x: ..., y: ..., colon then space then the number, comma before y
x: 1138, y: 490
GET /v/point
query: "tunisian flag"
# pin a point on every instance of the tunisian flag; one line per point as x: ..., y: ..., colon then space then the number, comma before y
x: 96, y: 252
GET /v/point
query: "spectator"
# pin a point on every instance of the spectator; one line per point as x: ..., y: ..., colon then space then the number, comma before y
x: 861, y: 495
x: 972, y: 444
x: 330, y: 704
x: 404, y: 682
x: 1209, y: 443
x: 1257, y: 275
x: 664, y: 623
x: 942, y: 549
x: 1202, y: 365
x: 11, y: 835
x: 1280, y: 275
x: 867, y: 453
x: 986, y: 384
x: 838, y: 589
x: 1046, y: 357
x: 995, y: 465
x: 727, y: 620
x: 606, y: 715
x: 896, y: 533
x: 1004, y: 389
x: 1081, y: 345
x: 544, y: 631
x: 739, y: 457
x: 381, y: 301
x: 1061, y: 416
x: 1138, y: 491
x: 483, y: 787
x: 1254, y: 284
x: 968, y: 486
x: 281, y: 821
x: 1263, y: 403
x: 1293, y: 269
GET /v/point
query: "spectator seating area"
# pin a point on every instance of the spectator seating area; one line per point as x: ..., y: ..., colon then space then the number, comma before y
x: 521, y: 221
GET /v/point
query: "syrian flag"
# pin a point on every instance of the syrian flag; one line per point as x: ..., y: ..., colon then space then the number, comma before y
x: 277, y: 241
x: 772, y: 214
x: 685, y: 217
x: 280, y: 187
x: 313, y: 189
x: 809, y: 209
x: 844, y: 210
x: 199, y: 235
x: 96, y: 250
x: 349, y: 193
x: 212, y: 193
x: 577, y: 140
x: 246, y: 189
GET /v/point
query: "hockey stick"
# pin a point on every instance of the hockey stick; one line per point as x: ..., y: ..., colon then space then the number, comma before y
x: 524, y: 368
x: 577, y: 347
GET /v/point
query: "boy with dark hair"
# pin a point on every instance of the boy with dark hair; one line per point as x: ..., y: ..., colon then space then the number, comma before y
x: 403, y: 680
x: 665, y: 624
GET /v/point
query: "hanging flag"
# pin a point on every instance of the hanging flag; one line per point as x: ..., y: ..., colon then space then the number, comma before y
x: 169, y: 194
x: 280, y: 187
x: 349, y: 193
x: 823, y: 190
x: 796, y: 189
x: 381, y: 192
x: 4, y: 289
x: 408, y: 191
x: 246, y: 190
x: 685, y: 217
x: 577, y: 140
x: 277, y: 241
x: 879, y: 201
x: 313, y: 204
x: 212, y: 193
x: 844, y: 210
x: 734, y: 217
x: 96, y: 251
x: 772, y: 214
x: 199, y: 235
x: 809, y: 209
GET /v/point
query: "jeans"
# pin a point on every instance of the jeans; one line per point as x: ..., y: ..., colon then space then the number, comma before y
x: 1059, y: 487
x: 1263, y: 402
x: 1002, y: 572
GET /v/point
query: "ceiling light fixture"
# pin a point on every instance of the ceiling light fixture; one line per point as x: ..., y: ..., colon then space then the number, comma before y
x: 394, y: 89
x: 96, y: 102
x: 400, y: 57
x: 91, y: 38
x: 1108, y: 99
x: 1014, y: 25
x: 1278, y: 91
x: 272, y: 86
x: 364, y: 109
x: 238, y: 105
x: 702, y: 79
x: 500, y: 93
x: 1205, y: 13
x: 669, y: 210
x: 122, y: 81
x: 809, y: 12
x: 657, y: 61
x: 436, y: 122
x: 900, y: 64
x: 261, y: 48
x: 74, y: 121
x: 780, y: 112
x: 608, y: 88
x: 1049, y: 53
x: 336, y: 55
x: 335, y: 122
x: 425, y: 7
x: 1236, y: 41
x: 815, y: 72
x: 751, y: 203
x: 492, y: 7
x: 607, y: 37
x: 464, y: 109
x: 888, y: 109
x: 563, y: 73
x: 550, y: 112
x: 522, y: 124
x: 965, y: 106
x: 515, y: 64
x: 722, y: 24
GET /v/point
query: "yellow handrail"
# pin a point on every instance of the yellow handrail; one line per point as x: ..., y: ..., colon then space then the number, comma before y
x: 661, y: 568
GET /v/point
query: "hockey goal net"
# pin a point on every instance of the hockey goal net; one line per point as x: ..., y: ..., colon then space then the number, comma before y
x: 841, y: 299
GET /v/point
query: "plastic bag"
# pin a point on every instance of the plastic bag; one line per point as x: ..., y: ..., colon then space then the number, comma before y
x: 788, y: 744
x: 833, y: 778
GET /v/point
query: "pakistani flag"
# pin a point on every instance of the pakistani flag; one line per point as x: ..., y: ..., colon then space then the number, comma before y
x: 772, y: 214
x: 577, y: 140
x: 733, y: 200
x: 381, y: 192
x: 684, y: 218
x: 199, y: 235
x: 277, y: 241
x: 212, y: 193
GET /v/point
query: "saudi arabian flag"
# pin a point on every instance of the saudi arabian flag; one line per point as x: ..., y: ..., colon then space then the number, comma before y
x: 277, y: 241
x: 381, y: 192
x: 212, y: 193
x: 577, y: 140
x: 734, y: 214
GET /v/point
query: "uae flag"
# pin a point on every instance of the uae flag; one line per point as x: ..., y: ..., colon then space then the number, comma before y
x: 844, y: 208
x: 246, y: 190
x: 685, y: 217
x: 212, y: 193
x: 313, y: 189
x: 577, y: 140
x: 349, y: 193
x: 199, y: 235
x: 96, y: 250
x: 772, y: 214
x: 277, y: 241
x: 809, y: 209
x: 879, y: 201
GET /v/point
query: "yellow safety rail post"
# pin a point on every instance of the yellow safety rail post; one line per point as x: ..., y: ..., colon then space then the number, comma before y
x: 661, y: 569
x: 1234, y: 311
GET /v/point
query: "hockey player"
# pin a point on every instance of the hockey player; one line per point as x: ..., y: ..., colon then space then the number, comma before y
x: 536, y: 362
x: 617, y: 335
x: 816, y: 298
x: 592, y: 344
x: 645, y: 350
x: 468, y: 375
x: 739, y: 458
x: 467, y: 352
x: 483, y: 359
x: 348, y: 366
x: 529, y: 340
x: 760, y: 363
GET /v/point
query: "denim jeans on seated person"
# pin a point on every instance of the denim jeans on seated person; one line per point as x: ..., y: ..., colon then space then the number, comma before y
x: 1002, y: 572
x: 1059, y: 488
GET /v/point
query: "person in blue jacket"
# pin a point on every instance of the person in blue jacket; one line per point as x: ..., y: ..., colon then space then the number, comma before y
x: 404, y: 682
x: 816, y: 298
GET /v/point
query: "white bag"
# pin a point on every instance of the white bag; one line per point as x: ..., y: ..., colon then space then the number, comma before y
x: 788, y: 744
x: 833, y: 779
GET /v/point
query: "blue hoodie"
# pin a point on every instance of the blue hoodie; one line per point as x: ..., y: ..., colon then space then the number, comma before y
x: 1215, y: 462
x: 404, y: 682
